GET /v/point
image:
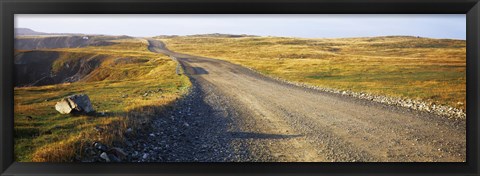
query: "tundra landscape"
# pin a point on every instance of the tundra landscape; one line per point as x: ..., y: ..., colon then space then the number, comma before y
x: 239, y: 98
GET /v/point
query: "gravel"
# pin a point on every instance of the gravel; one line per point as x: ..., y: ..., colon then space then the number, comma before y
x: 442, y: 110
x: 193, y: 131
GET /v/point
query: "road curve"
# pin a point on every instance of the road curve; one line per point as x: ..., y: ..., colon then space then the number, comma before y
x: 236, y: 114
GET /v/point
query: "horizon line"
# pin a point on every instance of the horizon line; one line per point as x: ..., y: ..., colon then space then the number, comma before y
x: 247, y: 35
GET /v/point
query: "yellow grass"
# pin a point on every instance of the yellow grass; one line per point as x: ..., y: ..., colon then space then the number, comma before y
x: 430, y: 70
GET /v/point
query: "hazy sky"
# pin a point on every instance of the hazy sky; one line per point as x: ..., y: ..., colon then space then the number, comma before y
x: 308, y: 26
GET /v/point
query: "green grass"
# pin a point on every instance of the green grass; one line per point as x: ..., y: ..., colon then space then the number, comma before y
x: 116, y: 87
x: 431, y: 70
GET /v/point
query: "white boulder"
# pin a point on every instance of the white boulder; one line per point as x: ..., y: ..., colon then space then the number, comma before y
x: 74, y: 103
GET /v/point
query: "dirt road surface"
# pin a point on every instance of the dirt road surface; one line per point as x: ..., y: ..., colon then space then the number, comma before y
x: 235, y: 114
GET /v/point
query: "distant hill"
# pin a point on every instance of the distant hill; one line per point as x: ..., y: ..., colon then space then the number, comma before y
x: 219, y: 35
x: 27, y: 31
x: 222, y: 35
x: 64, y: 41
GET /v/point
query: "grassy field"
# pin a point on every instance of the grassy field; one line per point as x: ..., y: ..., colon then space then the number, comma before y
x: 431, y: 70
x: 130, y: 86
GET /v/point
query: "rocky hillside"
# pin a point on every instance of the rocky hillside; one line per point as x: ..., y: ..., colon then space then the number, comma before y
x: 37, y: 66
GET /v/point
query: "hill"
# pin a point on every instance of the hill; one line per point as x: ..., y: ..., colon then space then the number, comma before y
x: 70, y: 41
x: 214, y: 35
x: 31, y: 32
x: 27, y: 31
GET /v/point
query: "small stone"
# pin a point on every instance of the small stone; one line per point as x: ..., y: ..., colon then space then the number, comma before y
x: 100, y: 146
x: 152, y: 135
x: 145, y: 156
x: 105, y: 157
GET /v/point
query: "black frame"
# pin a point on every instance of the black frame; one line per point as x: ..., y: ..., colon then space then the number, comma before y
x: 10, y: 7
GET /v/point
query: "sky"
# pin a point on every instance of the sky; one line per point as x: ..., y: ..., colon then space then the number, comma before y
x: 451, y: 26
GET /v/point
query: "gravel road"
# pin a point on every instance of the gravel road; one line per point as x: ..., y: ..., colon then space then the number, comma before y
x: 235, y: 114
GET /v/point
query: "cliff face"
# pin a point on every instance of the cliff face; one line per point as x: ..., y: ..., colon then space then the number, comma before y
x: 37, y: 68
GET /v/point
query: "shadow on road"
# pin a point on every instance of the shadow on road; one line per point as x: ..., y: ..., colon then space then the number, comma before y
x: 199, y: 71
